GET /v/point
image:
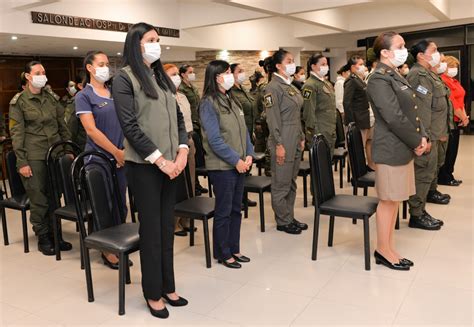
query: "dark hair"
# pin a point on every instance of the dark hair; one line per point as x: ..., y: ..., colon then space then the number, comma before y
x: 353, y: 61
x: 80, y: 77
x: 132, y: 56
x: 261, y: 63
x: 254, y: 80
x: 23, y: 81
x: 271, y: 62
x: 383, y: 42
x: 31, y: 64
x: 342, y: 70
x: 298, y: 69
x: 214, y: 68
x: 233, y: 67
x: 421, y: 46
x: 90, y: 57
x: 183, y: 69
x: 313, y: 60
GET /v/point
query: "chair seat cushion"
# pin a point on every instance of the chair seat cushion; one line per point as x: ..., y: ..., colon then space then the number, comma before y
x: 304, y: 168
x: 257, y: 184
x: 340, y: 153
x: 17, y: 202
x: 367, y: 179
x: 120, y: 238
x: 196, y: 208
x: 259, y: 156
x: 350, y: 206
x: 69, y: 212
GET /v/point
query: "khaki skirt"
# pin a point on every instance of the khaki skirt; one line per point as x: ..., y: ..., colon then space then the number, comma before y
x: 395, y: 183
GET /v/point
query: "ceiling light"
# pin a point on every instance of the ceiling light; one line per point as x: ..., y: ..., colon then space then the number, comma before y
x: 14, y: 37
x: 224, y: 55
x: 75, y: 48
x: 263, y: 54
x: 119, y: 53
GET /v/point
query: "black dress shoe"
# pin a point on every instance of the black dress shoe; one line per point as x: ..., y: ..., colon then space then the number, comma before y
x: 437, y: 198
x: 163, y: 313
x: 233, y: 265
x: 423, y: 222
x: 201, y: 189
x: 380, y: 260
x: 242, y: 258
x: 430, y: 217
x: 459, y: 181
x: 63, y: 245
x: 187, y: 229
x: 181, y: 302
x: 111, y: 265
x: 443, y: 195
x: 406, y: 262
x: 181, y: 233
x: 290, y: 229
x: 45, y: 245
x: 301, y: 225
x: 453, y: 182
x: 251, y: 203
x: 369, y: 169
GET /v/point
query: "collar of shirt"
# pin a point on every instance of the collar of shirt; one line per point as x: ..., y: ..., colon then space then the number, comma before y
x: 286, y: 80
x: 316, y: 75
x: 95, y: 92
x: 340, y: 78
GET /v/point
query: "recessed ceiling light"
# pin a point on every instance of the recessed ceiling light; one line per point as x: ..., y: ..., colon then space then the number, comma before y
x: 75, y: 48
x: 167, y: 48
x: 14, y: 37
x: 119, y: 53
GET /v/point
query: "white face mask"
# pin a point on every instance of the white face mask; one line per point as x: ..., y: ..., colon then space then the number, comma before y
x: 302, y: 78
x: 361, y: 69
x: 102, y: 74
x: 72, y: 90
x: 442, y: 68
x: 323, y: 70
x: 290, y: 69
x: 452, y: 72
x: 228, y: 82
x: 399, y: 57
x: 152, y: 51
x: 38, y: 81
x: 241, y: 78
x: 192, y: 77
x: 176, y: 80
x: 366, y: 73
x: 435, y: 59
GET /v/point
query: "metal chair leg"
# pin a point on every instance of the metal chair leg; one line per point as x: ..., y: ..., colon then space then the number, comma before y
x: 207, y: 247
x: 366, y: 243
x: 262, y: 211
x: 209, y: 185
x: 331, y: 230
x: 315, y: 235
x: 366, y: 191
x: 24, y: 224
x: 122, y: 278
x: 56, y: 237
x: 191, y: 232
x: 341, y: 173
x: 4, y: 226
x: 405, y: 209
x: 246, y: 204
x: 305, y: 191
x: 397, y: 223
x: 127, y: 275
x: 87, y: 264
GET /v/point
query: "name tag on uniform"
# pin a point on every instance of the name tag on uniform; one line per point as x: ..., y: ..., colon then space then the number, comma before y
x: 241, y: 112
x: 103, y: 104
x: 404, y: 87
x: 422, y: 90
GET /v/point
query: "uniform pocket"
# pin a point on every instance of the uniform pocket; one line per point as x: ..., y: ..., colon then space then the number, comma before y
x: 31, y: 114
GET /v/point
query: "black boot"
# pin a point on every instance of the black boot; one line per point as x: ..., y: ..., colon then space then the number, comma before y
x: 428, y: 216
x: 45, y: 245
x: 423, y: 222
x: 437, y: 198
x: 63, y: 245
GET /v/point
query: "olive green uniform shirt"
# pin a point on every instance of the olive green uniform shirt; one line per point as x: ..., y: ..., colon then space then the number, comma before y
x: 248, y: 105
x: 192, y: 94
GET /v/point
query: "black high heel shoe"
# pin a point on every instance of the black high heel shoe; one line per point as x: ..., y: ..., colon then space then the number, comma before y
x: 380, y: 259
x: 407, y: 262
x: 242, y: 258
x: 233, y: 265
x: 181, y: 302
x: 111, y: 265
x: 163, y: 313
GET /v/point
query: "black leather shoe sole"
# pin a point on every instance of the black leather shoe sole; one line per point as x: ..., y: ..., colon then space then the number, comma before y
x: 414, y: 224
x: 290, y: 229
x: 181, y: 302
x: 162, y: 314
x: 242, y: 258
x: 181, y: 233
x: 443, y: 201
x: 454, y: 182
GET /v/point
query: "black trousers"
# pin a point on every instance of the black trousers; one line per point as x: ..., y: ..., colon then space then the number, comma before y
x: 446, y: 171
x: 155, y: 197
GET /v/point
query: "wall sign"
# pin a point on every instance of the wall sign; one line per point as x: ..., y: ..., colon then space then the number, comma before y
x: 91, y: 23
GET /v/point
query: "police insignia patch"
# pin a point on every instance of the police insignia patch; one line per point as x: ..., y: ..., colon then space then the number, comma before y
x: 268, y: 100
x: 307, y: 94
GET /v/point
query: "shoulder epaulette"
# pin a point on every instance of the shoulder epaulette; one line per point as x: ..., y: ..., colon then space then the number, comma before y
x: 15, y: 98
x: 54, y: 95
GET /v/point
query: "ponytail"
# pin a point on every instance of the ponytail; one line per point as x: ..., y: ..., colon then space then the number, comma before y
x: 271, y: 62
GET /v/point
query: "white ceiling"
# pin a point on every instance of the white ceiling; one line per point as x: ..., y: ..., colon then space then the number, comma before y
x: 227, y: 24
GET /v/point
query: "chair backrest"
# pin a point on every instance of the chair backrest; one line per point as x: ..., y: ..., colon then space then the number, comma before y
x: 321, y: 170
x: 14, y: 179
x: 197, y: 139
x: 184, y: 188
x: 57, y: 177
x: 65, y: 164
x: 340, y: 138
x: 95, y: 184
x: 356, y: 152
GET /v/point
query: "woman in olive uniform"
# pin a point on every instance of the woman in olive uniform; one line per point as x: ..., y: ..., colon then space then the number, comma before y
x: 243, y: 97
x: 36, y: 123
x: 433, y: 106
x: 319, y: 110
x: 283, y: 103
x: 398, y: 136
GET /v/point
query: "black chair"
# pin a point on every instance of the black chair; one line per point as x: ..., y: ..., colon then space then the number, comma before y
x: 18, y: 200
x: 328, y: 203
x: 257, y: 184
x: 361, y: 177
x: 194, y: 207
x: 95, y: 185
x: 340, y: 152
x: 7, y: 146
x: 59, y: 160
x: 339, y: 157
x: 259, y: 161
x: 305, y: 171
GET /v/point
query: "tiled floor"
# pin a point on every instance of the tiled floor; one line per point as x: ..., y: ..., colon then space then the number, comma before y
x: 280, y: 287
